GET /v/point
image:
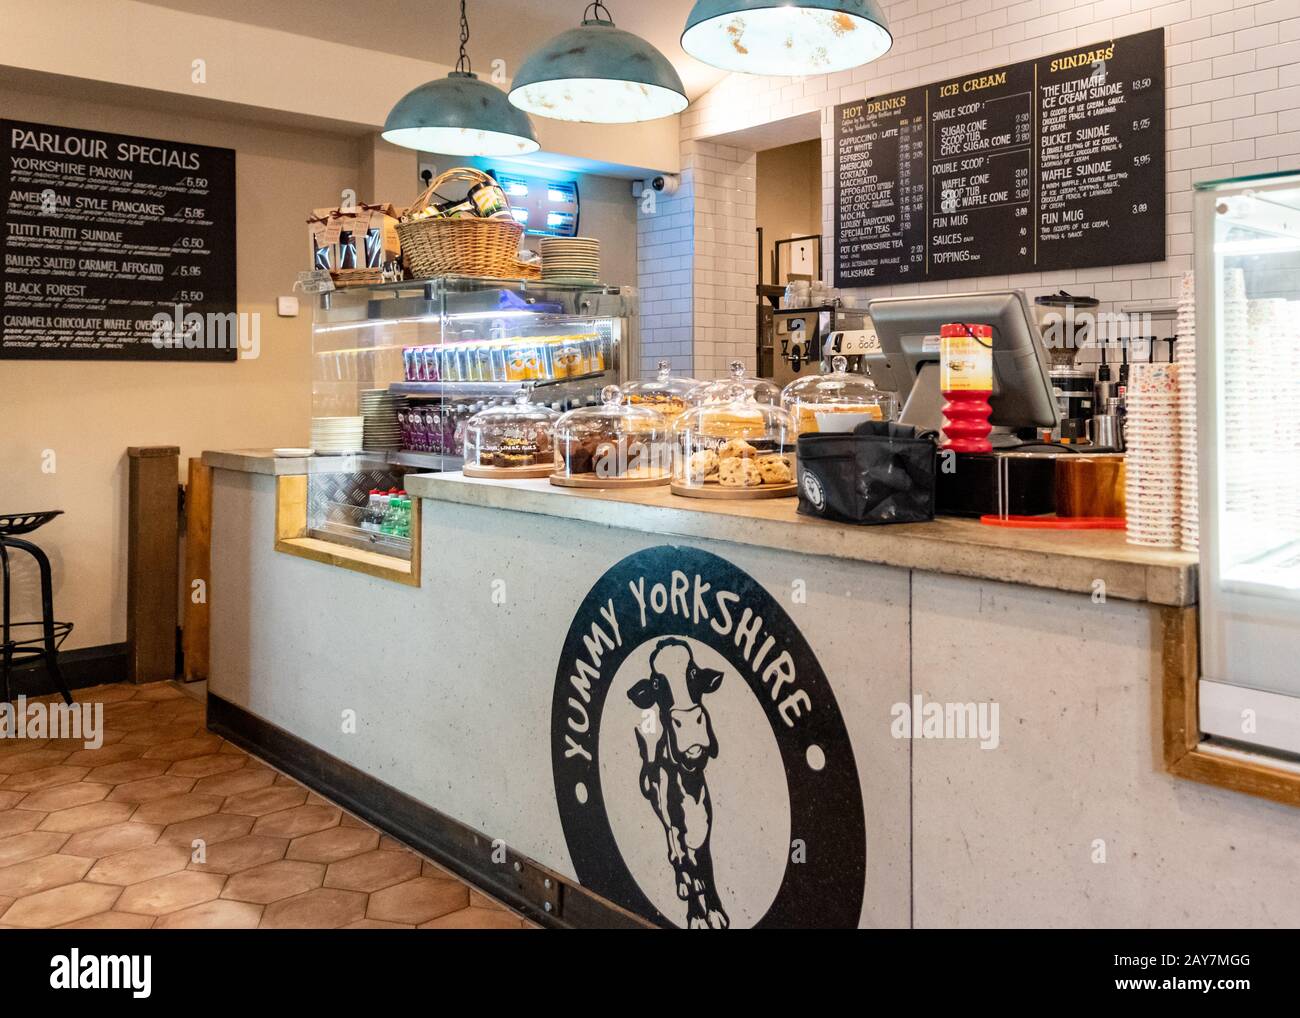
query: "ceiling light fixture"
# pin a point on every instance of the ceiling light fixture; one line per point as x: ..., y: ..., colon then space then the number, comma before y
x: 786, y: 38
x: 460, y: 115
x: 598, y: 74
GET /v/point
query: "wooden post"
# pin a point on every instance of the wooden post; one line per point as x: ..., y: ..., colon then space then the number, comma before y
x: 198, y: 577
x: 152, y: 563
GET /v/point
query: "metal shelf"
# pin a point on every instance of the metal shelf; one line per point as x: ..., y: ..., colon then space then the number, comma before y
x: 469, y: 388
x: 433, y: 462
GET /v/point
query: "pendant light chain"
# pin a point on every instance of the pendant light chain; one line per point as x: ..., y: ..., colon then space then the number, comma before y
x: 463, y: 64
x: 593, y: 12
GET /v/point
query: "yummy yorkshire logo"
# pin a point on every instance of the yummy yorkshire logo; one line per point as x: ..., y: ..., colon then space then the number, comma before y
x: 703, y: 773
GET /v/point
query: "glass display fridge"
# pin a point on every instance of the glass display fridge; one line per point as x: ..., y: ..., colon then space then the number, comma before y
x: 1248, y: 396
x: 400, y: 368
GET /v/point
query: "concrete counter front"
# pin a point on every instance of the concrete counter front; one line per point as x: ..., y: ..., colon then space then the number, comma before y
x: 627, y: 707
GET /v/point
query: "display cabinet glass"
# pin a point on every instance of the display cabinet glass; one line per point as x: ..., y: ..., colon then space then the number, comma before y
x: 400, y: 369
x: 1248, y: 414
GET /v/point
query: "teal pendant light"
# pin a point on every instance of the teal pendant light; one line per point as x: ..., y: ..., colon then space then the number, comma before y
x: 598, y: 74
x: 460, y: 115
x: 786, y: 37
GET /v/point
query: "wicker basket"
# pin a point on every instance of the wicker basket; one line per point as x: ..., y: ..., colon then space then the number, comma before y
x: 460, y: 247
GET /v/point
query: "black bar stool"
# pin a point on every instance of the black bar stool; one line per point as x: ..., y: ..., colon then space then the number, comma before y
x: 21, y: 649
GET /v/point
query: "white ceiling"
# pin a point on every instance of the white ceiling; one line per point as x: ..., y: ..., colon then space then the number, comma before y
x: 429, y: 29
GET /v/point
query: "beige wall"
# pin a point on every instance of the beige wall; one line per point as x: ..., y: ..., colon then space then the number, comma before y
x: 87, y: 412
x: 788, y: 195
x: 345, y: 80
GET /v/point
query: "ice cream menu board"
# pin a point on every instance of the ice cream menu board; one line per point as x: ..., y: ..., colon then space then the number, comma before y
x: 1049, y: 164
x: 115, y: 247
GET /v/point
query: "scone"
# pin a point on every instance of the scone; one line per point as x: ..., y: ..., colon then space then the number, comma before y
x: 739, y: 472
x: 774, y: 470
x: 701, y: 465
x: 736, y: 447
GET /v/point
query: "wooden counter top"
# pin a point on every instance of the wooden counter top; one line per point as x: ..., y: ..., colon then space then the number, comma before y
x: 1058, y: 560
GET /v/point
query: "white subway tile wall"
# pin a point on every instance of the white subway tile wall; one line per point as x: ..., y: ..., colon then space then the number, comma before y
x: 697, y: 264
x: 1233, y: 107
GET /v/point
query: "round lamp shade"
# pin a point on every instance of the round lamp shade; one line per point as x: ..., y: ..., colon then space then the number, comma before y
x: 598, y: 74
x: 786, y: 37
x: 462, y: 116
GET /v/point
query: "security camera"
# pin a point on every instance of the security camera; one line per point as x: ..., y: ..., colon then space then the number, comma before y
x: 663, y: 185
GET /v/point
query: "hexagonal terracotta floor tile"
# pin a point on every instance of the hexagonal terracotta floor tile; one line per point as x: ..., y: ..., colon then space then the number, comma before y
x: 372, y: 871
x: 19, y: 821
x: 41, y: 874
x: 262, y: 801
x: 213, y: 915
x: 241, y: 854
x: 110, y: 840
x: 139, y: 864
x: 127, y: 770
x: 214, y: 828
x: 111, y: 921
x: 247, y: 778
x: 418, y: 900
x: 149, y: 789
x: 150, y: 732
x: 79, y: 793
x: 10, y: 799
x: 158, y: 691
x: 326, y: 908
x: 105, y: 755
x: 199, y: 745
x: 273, y: 881
x: 176, y: 808
x: 290, y: 823
x: 475, y: 919
x: 170, y: 893
x: 45, y: 777
x: 30, y: 760
x: 377, y: 924
x: 110, y: 693
x: 205, y: 766
x: 61, y: 905
x: 333, y: 844
x: 88, y: 817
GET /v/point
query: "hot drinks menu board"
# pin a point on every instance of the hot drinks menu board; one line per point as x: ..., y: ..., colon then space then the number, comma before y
x: 115, y: 247
x: 1056, y: 163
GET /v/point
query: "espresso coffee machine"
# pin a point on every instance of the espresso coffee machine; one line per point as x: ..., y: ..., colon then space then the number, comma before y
x: 799, y: 335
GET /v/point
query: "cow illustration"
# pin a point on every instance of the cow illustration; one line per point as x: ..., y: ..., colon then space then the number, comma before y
x: 672, y: 772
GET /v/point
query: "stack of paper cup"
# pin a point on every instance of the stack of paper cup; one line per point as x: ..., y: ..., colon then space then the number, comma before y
x: 1185, y: 352
x: 1234, y: 404
x: 1153, y: 471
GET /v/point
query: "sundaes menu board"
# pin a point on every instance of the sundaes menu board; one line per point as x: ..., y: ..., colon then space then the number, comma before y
x: 115, y: 248
x: 1056, y: 163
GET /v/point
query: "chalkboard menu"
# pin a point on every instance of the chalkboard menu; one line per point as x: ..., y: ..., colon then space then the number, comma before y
x: 1056, y: 163
x: 115, y: 247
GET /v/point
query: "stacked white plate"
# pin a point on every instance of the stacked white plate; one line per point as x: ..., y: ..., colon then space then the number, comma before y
x: 1185, y: 352
x: 571, y: 259
x: 337, y: 434
x: 1153, y: 469
x: 379, y: 413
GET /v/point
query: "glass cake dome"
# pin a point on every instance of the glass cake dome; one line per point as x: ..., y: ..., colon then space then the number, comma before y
x: 816, y: 401
x: 615, y: 444
x: 734, y: 447
x: 516, y: 437
x: 719, y: 391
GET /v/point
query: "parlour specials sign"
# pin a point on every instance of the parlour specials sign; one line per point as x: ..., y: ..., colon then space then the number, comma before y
x: 114, y: 247
x: 703, y: 773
